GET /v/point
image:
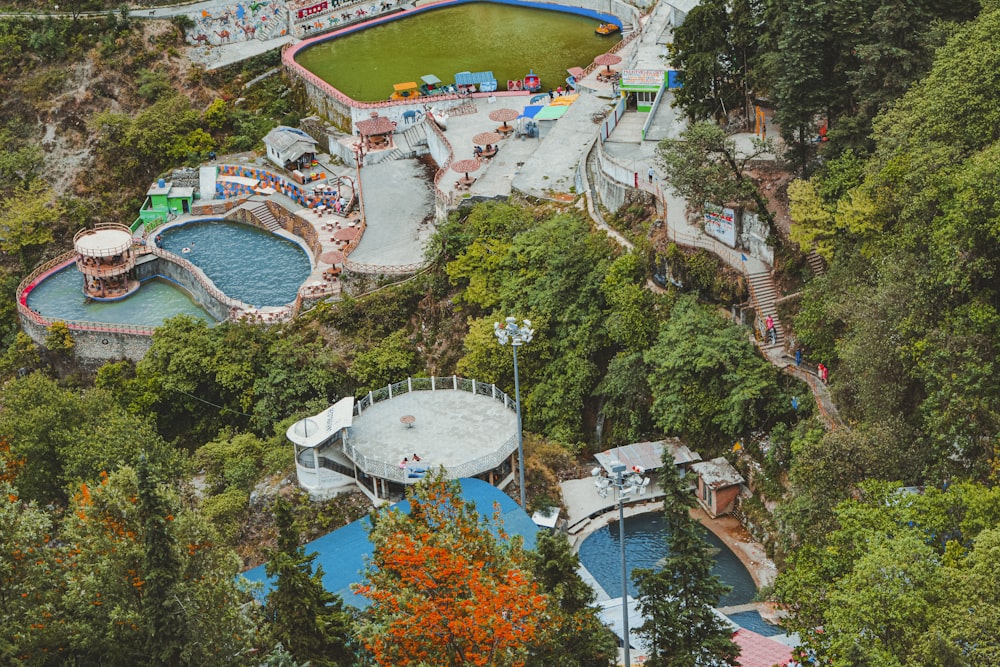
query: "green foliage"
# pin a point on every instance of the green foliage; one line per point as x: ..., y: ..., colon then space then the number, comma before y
x: 680, y: 626
x: 303, y: 616
x: 58, y: 338
x: 705, y: 167
x: 29, y: 218
x: 575, y: 635
x: 66, y: 435
x: 900, y: 573
x: 391, y: 360
x: 198, y: 379
x: 708, y: 384
x: 716, y: 49
x: 153, y: 85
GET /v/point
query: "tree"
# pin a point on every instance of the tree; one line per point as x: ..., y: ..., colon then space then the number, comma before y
x: 29, y: 217
x: 160, y: 609
x: 900, y: 580
x: 575, y: 634
x: 445, y: 589
x: 716, y: 48
x: 304, y: 618
x: 681, y: 627
x: 709, y: 385
x: 705, y: 167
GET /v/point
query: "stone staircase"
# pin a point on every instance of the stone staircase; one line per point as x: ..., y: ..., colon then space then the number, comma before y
x: 263, y: 214
x: 763, y: 292
x: 816, y: 263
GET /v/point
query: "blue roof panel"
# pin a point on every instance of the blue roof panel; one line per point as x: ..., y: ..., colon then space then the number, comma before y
x: 342, y: 554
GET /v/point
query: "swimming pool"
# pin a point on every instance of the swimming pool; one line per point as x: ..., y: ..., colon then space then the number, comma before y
x: 645, y: 545
x: 60, y: 297
x: 246, y: 263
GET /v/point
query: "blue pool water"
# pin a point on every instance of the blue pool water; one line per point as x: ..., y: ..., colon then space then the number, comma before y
x: 60, y: 297
x: 645, y: 544
x: 246, y: 263
x: 751, y: 620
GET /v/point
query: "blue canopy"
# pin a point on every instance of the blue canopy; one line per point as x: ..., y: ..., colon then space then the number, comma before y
x: 343, y: 553
x: 531, y: 111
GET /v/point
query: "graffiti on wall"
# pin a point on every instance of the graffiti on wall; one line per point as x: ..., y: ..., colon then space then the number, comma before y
x: 241, y: 21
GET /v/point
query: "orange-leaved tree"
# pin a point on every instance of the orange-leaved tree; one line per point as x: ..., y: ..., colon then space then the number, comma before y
x: 447, y: 586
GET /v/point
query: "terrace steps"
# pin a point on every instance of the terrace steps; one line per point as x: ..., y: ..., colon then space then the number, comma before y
x: 262, y: 213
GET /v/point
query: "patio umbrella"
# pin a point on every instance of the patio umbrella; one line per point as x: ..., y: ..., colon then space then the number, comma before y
x: 503, y: 116
x: 484, y: 138
x: 332, y: 257
x: 607, y: 59
x: 346, y: 234
x: 465, y: 166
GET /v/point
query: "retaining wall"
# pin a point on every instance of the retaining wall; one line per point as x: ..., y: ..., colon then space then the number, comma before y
x: 344, y: 111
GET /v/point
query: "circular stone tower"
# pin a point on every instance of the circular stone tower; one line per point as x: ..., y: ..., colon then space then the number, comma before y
x: 105, y: 258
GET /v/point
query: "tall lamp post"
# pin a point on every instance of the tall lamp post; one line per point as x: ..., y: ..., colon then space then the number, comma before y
x: 619, y: 471
x: 518, y: 336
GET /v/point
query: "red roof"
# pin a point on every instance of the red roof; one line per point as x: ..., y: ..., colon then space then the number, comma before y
x: 759, y: 651
x: 377, y: 125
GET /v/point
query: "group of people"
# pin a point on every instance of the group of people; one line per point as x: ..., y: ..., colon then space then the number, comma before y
x: 407, y: 460
x: 489, y: 152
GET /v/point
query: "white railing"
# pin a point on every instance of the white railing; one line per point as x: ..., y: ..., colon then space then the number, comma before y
x: 452, y: 382
x: 392, y: 471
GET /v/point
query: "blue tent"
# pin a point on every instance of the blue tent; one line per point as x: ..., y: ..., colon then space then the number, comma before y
x: 343, y: 553
x: 531, y: 110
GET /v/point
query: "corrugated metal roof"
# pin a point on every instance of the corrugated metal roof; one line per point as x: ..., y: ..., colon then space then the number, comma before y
x: 474, y: 78
x: 717, y: 473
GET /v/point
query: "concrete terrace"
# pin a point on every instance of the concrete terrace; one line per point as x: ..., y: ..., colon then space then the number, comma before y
x: 450, y: 428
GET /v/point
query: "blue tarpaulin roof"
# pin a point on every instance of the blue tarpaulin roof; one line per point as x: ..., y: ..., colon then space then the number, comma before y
x: 531, y: 110
x: 342, y: 553
x: 474, y: 78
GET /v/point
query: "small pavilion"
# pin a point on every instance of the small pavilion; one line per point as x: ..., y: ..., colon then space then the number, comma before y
x: 376, y: 132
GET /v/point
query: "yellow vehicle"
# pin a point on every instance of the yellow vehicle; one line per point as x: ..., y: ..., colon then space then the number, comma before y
x: 404, y: 91
x: 606, y: 29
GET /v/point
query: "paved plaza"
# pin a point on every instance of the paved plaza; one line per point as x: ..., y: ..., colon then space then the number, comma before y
x: 450, y: 428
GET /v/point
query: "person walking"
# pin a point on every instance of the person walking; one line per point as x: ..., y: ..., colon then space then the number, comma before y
x: 823, y: 372
x: 651, y: 174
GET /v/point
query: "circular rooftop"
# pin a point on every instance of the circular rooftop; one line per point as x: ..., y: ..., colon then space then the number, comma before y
x: 466, y: 433
x: 104, y: 241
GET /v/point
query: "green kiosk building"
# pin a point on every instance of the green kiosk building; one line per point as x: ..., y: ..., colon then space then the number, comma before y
x: 164, y: 201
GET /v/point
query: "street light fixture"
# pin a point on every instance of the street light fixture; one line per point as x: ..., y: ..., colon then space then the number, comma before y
x: 518, y: 336
x: 619, y: 471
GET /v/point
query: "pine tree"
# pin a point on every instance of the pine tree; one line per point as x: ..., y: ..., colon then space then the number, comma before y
x: 164, y: 620
x: 305, y: 618
x: 575, y: 634
x: 681, y: 628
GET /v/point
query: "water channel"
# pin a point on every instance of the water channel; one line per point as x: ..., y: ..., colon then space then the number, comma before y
x: 470, y: 37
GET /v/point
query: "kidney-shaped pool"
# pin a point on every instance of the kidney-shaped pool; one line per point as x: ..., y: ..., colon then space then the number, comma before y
x: 645, y: 546
x: 246, y: 263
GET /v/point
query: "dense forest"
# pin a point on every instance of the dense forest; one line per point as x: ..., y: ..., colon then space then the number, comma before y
x: 133, y: 494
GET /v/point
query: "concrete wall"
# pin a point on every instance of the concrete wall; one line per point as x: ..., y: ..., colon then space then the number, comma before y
x: 156, y: 266
x: 96, y: 346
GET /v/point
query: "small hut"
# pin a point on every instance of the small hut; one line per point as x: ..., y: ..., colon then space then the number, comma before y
x: 718, y: 485
x: 290, y: 148
x: 376, y: 132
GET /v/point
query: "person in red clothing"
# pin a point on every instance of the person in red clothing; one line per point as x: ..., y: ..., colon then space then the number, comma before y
x: 823, y: 372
